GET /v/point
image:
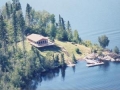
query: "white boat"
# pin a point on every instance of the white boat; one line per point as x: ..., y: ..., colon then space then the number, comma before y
x: 92, y: 60
x: 95, y: 64
x: 89, y: 61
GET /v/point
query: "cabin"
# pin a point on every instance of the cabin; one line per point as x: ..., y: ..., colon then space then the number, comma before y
x: 39, y: 40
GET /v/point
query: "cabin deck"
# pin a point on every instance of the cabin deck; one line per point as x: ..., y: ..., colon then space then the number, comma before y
x: 43, y: 45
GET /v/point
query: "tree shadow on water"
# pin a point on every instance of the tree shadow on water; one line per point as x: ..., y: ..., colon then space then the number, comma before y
x: 49, y: 75
x: 33, y: 83
x: 39, y: 77
x: 73, y: 67
x: 63, y: 72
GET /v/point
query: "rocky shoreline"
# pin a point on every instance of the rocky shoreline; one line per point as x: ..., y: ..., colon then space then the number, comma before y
x: 107, y: 55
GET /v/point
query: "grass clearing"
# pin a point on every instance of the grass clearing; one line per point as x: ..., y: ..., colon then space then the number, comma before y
x: 58, y: 48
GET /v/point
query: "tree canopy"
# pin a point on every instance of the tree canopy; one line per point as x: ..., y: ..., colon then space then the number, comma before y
x: 103, y: 40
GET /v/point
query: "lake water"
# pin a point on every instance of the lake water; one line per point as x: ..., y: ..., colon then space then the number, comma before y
x: 80, y: 77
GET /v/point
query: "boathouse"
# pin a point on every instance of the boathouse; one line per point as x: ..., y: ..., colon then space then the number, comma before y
x: 39, y: 40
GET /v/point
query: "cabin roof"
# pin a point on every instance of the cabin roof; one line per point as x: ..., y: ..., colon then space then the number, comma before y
x: 36, y: 37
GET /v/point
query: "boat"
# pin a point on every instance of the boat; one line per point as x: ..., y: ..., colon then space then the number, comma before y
x: 95, y: 64
x: 89, y: 61
x: 93, y: 60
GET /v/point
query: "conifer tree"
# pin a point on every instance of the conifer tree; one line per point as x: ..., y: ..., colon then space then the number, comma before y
x: 62, y: 60
x: 22, y: 29
x: 27, y: 17
x: 76, y: 37
x: 3, y: 34
x: 68, y: 26
x: 14, y: 19
x: 52, y: 18
x: 7, y: 11
x: 18, y: 6
x: 11, y: 9
x: 73, y: 59
x: 56, y: 59
x: 59, y: 23
x: 63, y: 24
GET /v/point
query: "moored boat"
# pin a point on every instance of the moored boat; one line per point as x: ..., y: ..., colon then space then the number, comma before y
x: 90, y: 61
x: 95, y: 64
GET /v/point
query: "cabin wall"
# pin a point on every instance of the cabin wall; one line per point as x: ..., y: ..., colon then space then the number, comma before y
x: 42, y: 42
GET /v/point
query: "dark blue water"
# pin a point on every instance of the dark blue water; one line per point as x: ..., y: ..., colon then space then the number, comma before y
x: 104, y: 77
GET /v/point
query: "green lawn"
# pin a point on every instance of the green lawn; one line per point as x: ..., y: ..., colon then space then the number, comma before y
x: 59, y: 47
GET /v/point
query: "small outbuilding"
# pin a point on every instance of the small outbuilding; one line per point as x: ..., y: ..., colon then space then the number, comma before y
x: 39, y: 40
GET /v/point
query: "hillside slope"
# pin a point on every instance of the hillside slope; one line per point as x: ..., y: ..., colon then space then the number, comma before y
x: 68, y: 48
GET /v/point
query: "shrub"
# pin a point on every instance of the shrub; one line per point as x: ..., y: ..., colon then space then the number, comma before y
x: 87, y: 43
x: 77, y: 51
x: 100, y: 53
x: 116, y: 50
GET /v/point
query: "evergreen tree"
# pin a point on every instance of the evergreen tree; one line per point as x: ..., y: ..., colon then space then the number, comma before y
x: 52, y: 30
x: 18, y: 6
x: 76, y: 37
x: 11, y: 9
x: 61, y: 32
x: 14, y: 19
x: 69, y: 32
x: 7, y: 11
x: 56, y: 59
x: 52, y: 18
x: 74, y: 59
x: 14, y: 5
x: 59, y: 23
x: 63, y: 24
x: 62, y: 60
x: 68, y: 26
x: 27, y: 17
x: 22, y: 29
x: 3, y: 34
